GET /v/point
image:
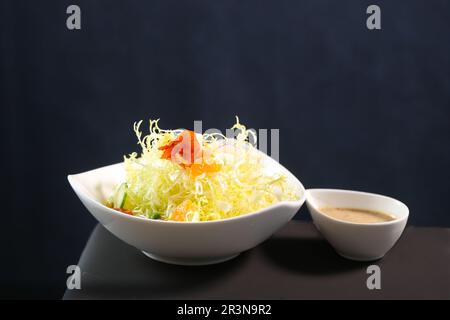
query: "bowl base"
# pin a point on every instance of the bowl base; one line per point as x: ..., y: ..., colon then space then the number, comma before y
x: 343, y: 255
x: 189, y: 261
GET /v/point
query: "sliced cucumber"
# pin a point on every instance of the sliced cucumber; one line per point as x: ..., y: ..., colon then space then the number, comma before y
x: 120, y: 196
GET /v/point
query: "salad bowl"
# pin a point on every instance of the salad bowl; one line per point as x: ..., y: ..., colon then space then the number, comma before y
x: 184, y: 243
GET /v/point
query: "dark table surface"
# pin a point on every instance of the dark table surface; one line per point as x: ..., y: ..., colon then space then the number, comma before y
x: 295, y: 263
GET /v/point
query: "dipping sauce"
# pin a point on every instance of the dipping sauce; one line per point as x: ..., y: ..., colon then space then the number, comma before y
x: 357, y: 215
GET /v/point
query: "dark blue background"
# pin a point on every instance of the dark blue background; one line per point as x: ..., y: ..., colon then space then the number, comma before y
x: 357, y: 109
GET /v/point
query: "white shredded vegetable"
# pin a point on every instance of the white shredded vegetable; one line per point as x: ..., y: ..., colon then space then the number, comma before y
x: 239, y: 184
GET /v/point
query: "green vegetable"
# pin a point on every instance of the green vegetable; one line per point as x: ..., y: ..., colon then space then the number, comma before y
x: 155, y: 216
x: 120, y: 196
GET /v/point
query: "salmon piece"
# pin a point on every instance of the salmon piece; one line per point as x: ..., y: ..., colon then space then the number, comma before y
x: 179, y: 214
x: 126, y: 211
x: 188, y: 154
x: 198, y: 169
x: 188, y: 148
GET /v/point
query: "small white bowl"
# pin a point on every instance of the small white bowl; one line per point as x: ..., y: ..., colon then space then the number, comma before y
x: 185, y: 243
x: 357, y: 241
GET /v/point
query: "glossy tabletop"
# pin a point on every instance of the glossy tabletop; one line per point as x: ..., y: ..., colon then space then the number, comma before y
x: 295, y: 263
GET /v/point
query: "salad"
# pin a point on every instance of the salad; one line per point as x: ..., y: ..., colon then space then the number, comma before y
x: 184, y: 176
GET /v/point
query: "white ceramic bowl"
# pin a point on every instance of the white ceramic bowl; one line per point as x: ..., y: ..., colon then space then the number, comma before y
x: 357, y: 241
x: 186, y: 243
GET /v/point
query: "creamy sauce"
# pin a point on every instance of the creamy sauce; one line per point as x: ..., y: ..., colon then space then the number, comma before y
x: 357, y: 215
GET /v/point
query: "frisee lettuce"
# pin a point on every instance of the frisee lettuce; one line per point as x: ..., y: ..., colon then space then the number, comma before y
x: 158, y: 187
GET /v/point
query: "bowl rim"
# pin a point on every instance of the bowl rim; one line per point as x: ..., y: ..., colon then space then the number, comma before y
x: 291, y: 203
x: 362, y: 193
